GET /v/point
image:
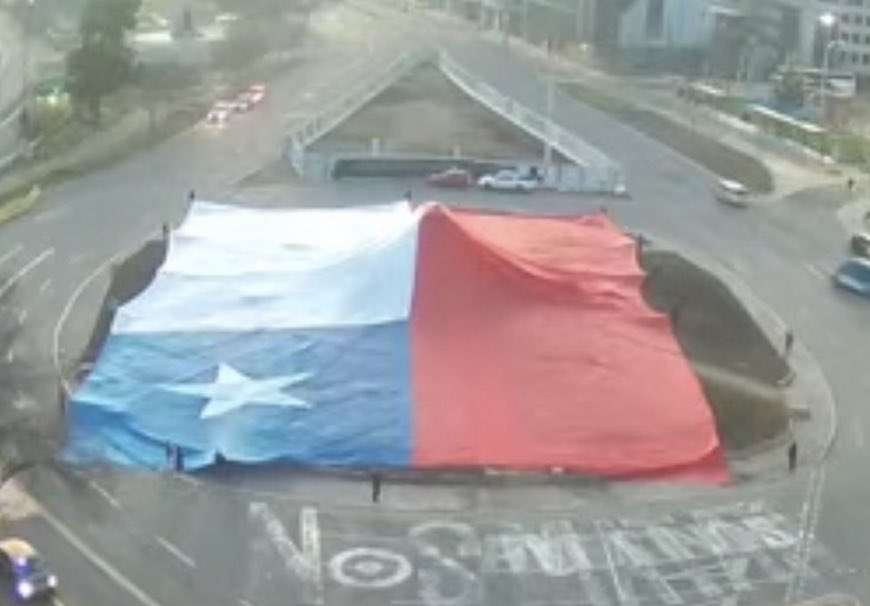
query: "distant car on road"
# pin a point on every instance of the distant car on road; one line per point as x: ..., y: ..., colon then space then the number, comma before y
x: 854, y: 275
x: 27, y: 574
x: 452, y: 177
x: 219, y: 114
x: 732, y: 192
x: 509, y: 180
x: 256, y: 93
x: 859, y: 244
x: 249, y: 98
x: 242, y: 103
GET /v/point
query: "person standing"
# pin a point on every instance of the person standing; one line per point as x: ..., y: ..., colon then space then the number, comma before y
x: 792, y: 456
x: 376, y: 487
x: 788, y: 344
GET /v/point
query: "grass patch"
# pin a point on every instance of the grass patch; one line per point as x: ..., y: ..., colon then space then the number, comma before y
x: 720, y: 159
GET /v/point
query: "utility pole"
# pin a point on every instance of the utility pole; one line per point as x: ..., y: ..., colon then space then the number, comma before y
x: 525, y: 27
x: 551, y: 103
x: 25, y: 52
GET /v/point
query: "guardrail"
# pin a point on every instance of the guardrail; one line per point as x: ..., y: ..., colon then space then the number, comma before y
x: 360, y: 93
x: 600, y: 172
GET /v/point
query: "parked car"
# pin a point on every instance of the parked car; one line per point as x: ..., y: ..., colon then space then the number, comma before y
x: 732, y: 192
x: 27, y: 574
x: 219, y: 114
x: 452, y: 177
x: 859, y: 244
x: 509, y: 180
x: 854, y: 275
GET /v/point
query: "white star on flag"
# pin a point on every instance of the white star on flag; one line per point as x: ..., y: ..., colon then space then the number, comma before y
x: 232, y: 390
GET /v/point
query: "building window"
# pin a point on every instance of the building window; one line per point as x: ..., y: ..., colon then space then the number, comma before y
x: 855, y: 2
x: 844, y: 36
x: 867, y: 39
x: 655, y: 18
x: 855, y: 38
x: 865, y: 59
x: 844, y: 18
x: 855, y: 58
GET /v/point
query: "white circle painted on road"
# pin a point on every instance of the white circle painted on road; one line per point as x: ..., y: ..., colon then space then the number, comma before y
x: 370, y: 567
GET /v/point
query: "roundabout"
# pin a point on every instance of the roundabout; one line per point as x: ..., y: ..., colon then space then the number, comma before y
x: 294, y: 537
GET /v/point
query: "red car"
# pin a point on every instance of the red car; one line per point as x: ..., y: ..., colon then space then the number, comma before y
x: 256, y: 93
x: 452, y: 177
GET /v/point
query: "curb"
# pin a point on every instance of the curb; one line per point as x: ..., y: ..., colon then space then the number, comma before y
x: 19, y: 206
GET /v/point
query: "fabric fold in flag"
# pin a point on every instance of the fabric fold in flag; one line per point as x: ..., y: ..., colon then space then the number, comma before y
x: 388, y: 336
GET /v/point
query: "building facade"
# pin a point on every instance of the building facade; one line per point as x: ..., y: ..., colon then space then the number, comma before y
x: 676, y: 24
x: 850, y: 30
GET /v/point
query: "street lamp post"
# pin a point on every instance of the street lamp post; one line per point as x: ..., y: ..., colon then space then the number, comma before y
x: 828, y: 21
x: 826, y: 70
x: 551, y: 106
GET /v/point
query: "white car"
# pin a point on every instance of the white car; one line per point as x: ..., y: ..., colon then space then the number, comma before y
x: 219, y: 114
x: 508, y: 180
x: 732, y: 192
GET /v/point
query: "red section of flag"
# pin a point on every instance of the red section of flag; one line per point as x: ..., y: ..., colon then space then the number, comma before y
x: 532, y: 348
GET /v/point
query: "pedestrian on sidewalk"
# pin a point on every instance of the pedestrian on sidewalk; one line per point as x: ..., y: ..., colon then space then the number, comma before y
x: 788, y: 344
x: 170, y: 455
x: 850, y: 184
x: 376, y: 487
x: 191, y: 196
x: 792, y: 456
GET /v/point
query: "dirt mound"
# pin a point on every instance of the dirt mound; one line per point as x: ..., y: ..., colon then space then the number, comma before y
x: 425, y: 113
x: 738, y: 367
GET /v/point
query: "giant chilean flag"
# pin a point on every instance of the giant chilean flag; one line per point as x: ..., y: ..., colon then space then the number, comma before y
x: 392, y: 337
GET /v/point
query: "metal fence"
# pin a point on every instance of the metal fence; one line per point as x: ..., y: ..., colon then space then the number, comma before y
x: 359, y: 93
x: 597, y: 172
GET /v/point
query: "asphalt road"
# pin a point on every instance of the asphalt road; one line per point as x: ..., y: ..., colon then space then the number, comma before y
x: 275, y: 537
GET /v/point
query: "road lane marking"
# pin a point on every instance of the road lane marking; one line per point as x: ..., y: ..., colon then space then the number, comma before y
x: 816, y: 271
x: 67, y: 309
x: 10, y: 253
x: 176, y: 551
x: 56, y: 601
x: 5, y: 287
x: 859, y: 435
x: 105, y: 494
x: 95, y: 559
x: 43, y: 288
x: 244, y: 602
x: 50, y: 214
x: 22, y: 316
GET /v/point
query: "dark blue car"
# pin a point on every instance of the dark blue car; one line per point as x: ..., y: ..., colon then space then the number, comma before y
x: 27, y: 573
x: 854, y: 275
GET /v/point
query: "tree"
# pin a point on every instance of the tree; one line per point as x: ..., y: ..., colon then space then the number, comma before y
x: 103, y: 61
x: 244, y: 42
x: 747, y: 44
x: 788, y: 89
x: 26, y: 435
